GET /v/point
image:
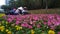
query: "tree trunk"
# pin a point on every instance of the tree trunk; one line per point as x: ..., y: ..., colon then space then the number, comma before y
x: 46, y: 6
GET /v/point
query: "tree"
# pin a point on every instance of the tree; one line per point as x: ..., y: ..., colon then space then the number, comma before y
x: 5, y: 7
x: 35, y: 4
x: 12, y: 3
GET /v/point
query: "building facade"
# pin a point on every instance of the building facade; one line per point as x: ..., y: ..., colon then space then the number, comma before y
x: 7, y: 2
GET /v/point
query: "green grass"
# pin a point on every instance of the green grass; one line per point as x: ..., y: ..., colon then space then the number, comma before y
x: 43, y: 11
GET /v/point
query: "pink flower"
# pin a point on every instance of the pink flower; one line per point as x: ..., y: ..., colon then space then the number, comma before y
x: 9, y: 20
x: 58, y: 32
x: 30, y: 26
x: 24, y: 25
x: 45, y: 23
x: 18, y: 19
x: 35, y: 18
x: 12, y: 17
x: 17, y: 22
x: 31, y: 22
x: 38, y: 26
x: 49, y: 23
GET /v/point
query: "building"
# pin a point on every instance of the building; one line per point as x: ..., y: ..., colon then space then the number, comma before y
x: 0, y: 7
x: 7, y: 2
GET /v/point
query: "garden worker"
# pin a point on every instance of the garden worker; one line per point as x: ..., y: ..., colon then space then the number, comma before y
x: 16, y: 12
x: 12, y: 11
x: 20, y: 10
x: 24, y: 11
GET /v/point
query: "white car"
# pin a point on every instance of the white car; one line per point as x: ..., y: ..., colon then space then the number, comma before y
x: 2, y: 11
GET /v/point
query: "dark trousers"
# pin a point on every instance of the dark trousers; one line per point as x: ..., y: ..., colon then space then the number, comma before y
x: 24, y: 13
x: 20, y: 12
x: 16, y: 14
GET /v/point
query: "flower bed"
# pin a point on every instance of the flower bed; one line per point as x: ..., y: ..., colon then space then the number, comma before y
x: 30, y: 24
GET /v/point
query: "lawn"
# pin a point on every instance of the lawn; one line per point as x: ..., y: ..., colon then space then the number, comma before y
x: 43, y: 11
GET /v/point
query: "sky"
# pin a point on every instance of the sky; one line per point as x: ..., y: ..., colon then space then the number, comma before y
x: 2, y: 2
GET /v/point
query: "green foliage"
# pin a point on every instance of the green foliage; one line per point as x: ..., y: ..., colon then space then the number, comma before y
x: 35, y: 4
x: 5, y: 7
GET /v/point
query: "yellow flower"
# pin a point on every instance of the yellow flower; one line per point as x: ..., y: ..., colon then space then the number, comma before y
x: 51, y: 32
x: 9, y: 32
x: 6, y: 25
x: 43, y: 32
x: 13, y: 25
x: 6, y: 22
x: 1, y: 15
x: 2, y: 28
x: 32, y: 31
x: 3, y: 22
x: 18, y: 27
